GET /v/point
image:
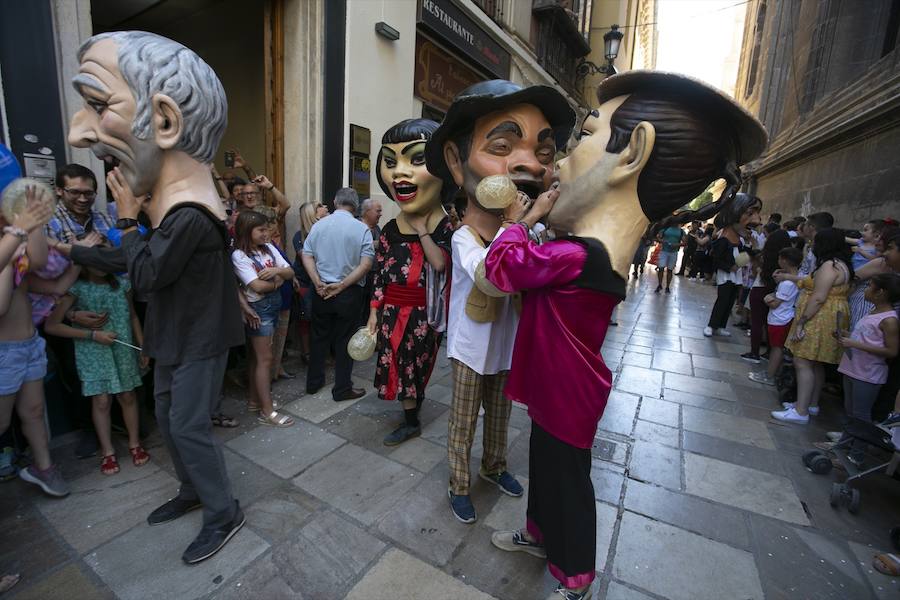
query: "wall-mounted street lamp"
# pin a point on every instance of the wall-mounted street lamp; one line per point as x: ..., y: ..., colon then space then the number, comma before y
x: 611, y: 41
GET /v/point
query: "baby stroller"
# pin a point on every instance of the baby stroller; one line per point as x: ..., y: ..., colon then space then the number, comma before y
x: 786, y: 379
x: 857, y: 431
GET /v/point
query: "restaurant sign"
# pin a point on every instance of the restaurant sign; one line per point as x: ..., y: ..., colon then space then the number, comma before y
x: 438, y: 76
x: 446, y: 20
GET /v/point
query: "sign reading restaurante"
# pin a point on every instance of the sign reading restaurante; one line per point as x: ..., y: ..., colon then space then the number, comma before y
x: 446, y: 20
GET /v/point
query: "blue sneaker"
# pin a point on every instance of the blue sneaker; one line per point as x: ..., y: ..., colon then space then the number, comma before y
x: 462, y: 508
x: 505, y: 481
x: 8, y: 468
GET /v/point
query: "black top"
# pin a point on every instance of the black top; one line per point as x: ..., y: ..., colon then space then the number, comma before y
x: 597, y: 272
x: 184, y: 270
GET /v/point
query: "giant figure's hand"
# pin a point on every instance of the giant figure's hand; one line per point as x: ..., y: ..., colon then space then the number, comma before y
x: 128, y: 206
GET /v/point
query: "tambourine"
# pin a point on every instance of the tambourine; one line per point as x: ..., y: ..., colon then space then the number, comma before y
x: 496, y: 192
x: 13, y: 201
x: 362, y: 345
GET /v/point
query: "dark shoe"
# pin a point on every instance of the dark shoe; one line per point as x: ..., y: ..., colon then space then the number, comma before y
x: 401, y: 434
x: 211, y: 541
x: 658, y: 289
x: 171, y: 510
x: 314, y: 390
x: 87, y: 445
x: 462, y: 508
x: 751, y: 358
x: 668, y: 291
x: 505, y: 481
x: 286, y: 375
x: 352, y: 394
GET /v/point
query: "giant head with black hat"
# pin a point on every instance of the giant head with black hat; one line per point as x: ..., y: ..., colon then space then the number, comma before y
x: 500, y: 128
x: 654, y: 143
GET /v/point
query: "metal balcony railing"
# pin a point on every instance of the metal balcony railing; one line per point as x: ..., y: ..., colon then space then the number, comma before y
x: 493, y: 9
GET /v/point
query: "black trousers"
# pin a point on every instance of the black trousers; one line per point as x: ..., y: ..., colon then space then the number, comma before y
x: 726, y: 294
x: 334, y: 321
x: 561, y: 511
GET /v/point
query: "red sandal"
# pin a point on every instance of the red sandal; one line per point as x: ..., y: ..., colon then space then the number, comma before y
x: 109, y: 466
x: 139, y: 456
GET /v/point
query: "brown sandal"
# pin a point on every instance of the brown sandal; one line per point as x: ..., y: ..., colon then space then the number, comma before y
x: 889, y: 564
x: 139, y: 456
x: 109, y: 465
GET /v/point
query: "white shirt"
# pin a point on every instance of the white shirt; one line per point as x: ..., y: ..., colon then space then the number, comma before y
x: 246, y: 269
x: 787, y: 292
x: 486, y: 348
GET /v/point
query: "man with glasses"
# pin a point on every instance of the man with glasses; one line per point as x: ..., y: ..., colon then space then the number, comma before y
x: 75, y: 217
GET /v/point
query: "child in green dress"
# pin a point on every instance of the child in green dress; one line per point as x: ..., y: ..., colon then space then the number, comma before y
x: 105, y: 367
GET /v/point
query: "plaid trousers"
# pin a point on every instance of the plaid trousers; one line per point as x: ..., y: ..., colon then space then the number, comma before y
x: 470, y: 392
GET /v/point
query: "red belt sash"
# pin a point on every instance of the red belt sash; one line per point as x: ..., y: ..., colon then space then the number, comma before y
x: 401, y: 295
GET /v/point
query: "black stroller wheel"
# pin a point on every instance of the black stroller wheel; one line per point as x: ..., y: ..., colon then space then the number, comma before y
x: 836, y: 492
x: 853, y: 505
x: 820, y: 465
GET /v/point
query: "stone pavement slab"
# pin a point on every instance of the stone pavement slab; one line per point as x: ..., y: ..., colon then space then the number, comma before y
x: 709, y: 519
x: 286, y: 451
x: 698, y: 385
x: 358, y: 482
x: 281, y: 512
x: 29, y: 545
x: 617, y: 591
x: 659, y: 411
x: 733, y: 452
x: 68, y: 583
x: 653, y: 432
x: 149, y: 558
x: 730, y: 427
x: 655, y: 463
x: 681, y: 565
x: 643, y: 382
x: 607, y: 483
x: 320, y: 406
x: 419, y: 454
x: 509, y: 513
x: 700, y: 401
x: 672, y: 360
x: 606, y: 522
x: 399, y: 576
x: 798, y: 562
x: 618, y: 416
x: 85, y: 521
x: 756, y: 491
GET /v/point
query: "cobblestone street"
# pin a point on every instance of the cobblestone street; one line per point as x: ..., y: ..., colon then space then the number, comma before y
x: 699, y: 496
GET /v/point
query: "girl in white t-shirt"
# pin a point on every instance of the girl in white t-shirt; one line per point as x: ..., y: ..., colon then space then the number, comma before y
x: 781, y: 313
x: 261, y: 270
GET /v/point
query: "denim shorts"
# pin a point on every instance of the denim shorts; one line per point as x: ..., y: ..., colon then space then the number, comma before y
x: 267, y: 309
x: 20, y: 362
x: 667, y: 260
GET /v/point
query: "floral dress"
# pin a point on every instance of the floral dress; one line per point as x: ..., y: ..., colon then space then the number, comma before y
x: 407, y: 346
x: 106, y: 369
x: 819, y: 343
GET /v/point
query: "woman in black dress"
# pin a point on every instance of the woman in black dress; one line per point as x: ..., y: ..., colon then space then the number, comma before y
x: 412, y: 258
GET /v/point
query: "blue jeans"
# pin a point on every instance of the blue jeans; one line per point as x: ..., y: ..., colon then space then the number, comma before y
x: 267, y: 309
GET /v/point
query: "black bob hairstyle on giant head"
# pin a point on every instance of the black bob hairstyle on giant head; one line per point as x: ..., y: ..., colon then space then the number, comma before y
x: 410, y: 130
x: 701, y: 135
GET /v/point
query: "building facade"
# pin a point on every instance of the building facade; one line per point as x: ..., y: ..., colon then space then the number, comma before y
x: 824, y: 78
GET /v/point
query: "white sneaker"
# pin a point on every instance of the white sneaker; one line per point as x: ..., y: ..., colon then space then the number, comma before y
x: 790, y: 416
x: 760, y: 377
x: 834, y: 436
x: 813, y: 410
x: 723, y: 332
x: 708, y: 331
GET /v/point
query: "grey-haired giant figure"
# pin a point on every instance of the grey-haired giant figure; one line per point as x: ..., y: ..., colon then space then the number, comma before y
x: 155, y: 111
x: 654, y: 143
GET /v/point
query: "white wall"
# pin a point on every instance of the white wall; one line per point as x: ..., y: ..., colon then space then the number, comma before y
x: 379, y: 82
